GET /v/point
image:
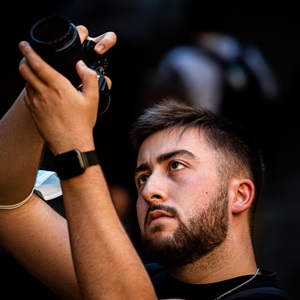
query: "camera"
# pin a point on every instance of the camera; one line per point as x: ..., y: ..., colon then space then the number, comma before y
x: 57, y: 41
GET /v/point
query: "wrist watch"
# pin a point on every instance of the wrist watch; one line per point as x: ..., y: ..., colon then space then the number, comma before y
x: 73, y: 163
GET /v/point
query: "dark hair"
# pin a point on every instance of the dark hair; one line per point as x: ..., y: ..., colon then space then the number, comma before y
x: 239, y: 149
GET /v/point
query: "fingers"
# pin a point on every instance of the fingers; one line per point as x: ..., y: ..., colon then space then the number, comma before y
x: 104, y: 42
x: 39, y: 74
x: 25, y: 68
x: 34, y: 69
x: 89, y: 79
x: 83, y: 32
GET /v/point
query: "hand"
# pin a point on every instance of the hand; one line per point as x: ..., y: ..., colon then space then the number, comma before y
x: 64, y: 116
x: 103, y: 42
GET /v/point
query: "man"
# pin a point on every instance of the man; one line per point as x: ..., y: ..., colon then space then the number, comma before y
x: 198, y: 180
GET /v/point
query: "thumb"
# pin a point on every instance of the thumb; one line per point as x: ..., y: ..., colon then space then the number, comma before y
x: 88, y: 77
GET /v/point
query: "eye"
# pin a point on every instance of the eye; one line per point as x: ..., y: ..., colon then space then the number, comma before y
x: 141, y: 179
x: 176, y: 165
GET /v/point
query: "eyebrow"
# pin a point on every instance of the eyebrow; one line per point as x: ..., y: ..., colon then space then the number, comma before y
x: 163, y: 157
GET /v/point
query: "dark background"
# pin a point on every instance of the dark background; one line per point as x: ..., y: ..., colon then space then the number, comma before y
x: 146, y: 30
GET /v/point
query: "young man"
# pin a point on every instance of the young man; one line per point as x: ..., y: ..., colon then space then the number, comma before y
x: 198, y: 179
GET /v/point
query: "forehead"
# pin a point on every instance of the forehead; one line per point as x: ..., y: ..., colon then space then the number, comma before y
x: 168, y: 140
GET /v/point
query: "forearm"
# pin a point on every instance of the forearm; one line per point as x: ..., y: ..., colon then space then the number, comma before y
x: 37, y: 237
x: 34, y: 234
x: 20, y: 148
x: 106, y: 263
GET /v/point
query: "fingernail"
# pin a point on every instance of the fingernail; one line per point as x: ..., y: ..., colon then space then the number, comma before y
x: 99, y: 48
x: 22, y: 45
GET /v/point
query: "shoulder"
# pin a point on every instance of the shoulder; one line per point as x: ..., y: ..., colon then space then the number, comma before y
x: 264, y: 287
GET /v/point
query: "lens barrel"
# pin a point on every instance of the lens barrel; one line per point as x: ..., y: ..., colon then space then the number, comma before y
x: 57, y: 41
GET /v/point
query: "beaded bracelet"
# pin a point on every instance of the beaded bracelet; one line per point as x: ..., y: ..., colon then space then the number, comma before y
x: 16, y: 205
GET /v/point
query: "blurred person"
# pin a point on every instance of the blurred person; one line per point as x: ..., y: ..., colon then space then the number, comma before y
x: 226, y: 75
x: 198, y: 179
x: 212, y: 68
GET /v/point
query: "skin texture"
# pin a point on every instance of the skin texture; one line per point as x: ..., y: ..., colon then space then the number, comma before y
x: 182, y: 197
x: 182, y: 200
x: 82, y: 257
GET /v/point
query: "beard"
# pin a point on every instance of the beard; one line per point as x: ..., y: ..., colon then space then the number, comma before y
x: 191, y: 242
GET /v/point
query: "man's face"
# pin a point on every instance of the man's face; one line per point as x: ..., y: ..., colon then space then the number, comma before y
x: 182, y: 202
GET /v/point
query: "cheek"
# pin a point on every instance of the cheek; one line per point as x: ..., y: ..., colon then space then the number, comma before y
x: 199, y: 198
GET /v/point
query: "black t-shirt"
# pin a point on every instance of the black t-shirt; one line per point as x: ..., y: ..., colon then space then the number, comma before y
x: 263, y: 286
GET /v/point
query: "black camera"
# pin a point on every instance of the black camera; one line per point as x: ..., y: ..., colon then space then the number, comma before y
x: 57, y: 41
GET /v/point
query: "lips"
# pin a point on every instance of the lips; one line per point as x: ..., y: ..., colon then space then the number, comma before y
x: 156, y: 214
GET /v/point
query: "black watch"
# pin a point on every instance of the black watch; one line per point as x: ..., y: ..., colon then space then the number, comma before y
x: 74, y: 163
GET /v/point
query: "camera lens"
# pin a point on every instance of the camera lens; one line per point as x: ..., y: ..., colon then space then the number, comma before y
x: 57, y: 41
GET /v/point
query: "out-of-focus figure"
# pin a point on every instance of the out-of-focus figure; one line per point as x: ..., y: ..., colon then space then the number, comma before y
x: 228, y: 76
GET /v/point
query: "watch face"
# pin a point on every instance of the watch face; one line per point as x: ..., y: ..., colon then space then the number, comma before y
x: 69, y: 164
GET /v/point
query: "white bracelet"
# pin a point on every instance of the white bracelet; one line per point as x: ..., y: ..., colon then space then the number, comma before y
x: 12, y: 206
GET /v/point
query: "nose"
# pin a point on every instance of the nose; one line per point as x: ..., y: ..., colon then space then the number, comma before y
x: 155, y: 188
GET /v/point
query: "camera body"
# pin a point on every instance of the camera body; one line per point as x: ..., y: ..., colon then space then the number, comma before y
x: 57, y: 41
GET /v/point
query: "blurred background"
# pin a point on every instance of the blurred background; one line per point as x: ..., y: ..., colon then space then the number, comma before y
x: 245, y: 56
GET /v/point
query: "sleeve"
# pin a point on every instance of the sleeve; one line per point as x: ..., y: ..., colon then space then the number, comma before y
x: 47, y: 185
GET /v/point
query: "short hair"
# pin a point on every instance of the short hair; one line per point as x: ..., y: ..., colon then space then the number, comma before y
x: 240, y: 151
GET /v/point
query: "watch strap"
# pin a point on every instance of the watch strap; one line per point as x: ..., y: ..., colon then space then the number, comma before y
x: 73, y: 163
x: 90, y: 158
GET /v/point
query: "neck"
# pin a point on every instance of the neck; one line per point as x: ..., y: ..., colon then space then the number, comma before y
x: 223, y: 263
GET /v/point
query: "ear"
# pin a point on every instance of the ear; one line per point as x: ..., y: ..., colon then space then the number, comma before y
x: 242, y: 191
